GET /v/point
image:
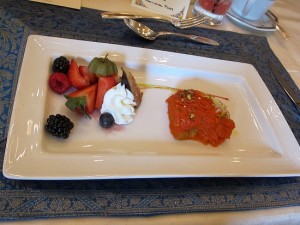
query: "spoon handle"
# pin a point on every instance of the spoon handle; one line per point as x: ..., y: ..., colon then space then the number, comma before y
x: 195, y: 38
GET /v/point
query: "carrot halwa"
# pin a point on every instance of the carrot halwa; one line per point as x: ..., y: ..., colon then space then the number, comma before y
x: 197, y: 116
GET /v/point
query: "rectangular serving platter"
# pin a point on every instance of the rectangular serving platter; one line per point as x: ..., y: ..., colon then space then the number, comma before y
x: 262, y: 145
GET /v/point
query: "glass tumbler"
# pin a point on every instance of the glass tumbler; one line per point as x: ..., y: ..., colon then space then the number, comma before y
x: 213, y: 9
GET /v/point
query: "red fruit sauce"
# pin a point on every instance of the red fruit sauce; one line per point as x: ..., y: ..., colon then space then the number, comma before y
x: 194, y: 116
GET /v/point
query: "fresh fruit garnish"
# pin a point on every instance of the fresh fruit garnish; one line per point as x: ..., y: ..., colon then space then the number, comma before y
x: 77, y: 80
x: 104, y: 84
x: 59, y: 126
x: 106, y: 120
x: 103, y: 67
x: 91, y: 77
x: 59, y: 82
x: 83, y: 100
x: 221, y: 9
x: 129, y: 81
x: 61, y: 64
x: 215, y: 6
x: 207, y: 5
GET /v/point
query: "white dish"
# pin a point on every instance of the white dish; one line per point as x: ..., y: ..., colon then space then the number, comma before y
x: 261, y: 145
x: 264, y: 24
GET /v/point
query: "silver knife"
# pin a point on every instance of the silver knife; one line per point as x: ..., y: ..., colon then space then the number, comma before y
x: 279, y: 28
x: 123, y: 15
x: 286, y: 87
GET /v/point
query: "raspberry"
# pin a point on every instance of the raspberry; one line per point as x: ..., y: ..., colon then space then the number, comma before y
x: 59, y: 82
x: 61, y: 64
x: 59, y: 126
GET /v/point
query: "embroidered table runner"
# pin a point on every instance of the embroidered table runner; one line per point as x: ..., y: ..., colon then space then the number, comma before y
x: 133, y: 197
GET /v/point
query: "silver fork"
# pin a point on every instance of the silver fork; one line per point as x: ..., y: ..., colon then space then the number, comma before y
x: 180, y: 23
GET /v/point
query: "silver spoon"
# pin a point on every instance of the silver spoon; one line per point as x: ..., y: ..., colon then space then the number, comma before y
x: 149, y: 34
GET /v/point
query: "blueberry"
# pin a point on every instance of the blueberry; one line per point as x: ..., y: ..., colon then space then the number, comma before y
x: 106, y: 120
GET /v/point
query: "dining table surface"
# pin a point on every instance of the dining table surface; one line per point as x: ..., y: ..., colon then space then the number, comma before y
x: 286, y: 51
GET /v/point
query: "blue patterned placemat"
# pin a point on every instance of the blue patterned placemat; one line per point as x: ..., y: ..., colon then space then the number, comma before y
x: 133, y: 197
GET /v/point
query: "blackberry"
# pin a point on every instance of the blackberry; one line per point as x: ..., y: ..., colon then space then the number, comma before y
x: 59, y: 126
x: 61, y: 64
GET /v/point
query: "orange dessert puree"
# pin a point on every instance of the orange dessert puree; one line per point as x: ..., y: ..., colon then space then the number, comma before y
x: 195, y: 116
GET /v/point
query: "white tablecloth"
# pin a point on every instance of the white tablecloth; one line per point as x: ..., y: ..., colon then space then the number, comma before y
x: 289, y: 54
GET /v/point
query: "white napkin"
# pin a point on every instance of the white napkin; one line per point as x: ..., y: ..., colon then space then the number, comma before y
x: 170, y: 8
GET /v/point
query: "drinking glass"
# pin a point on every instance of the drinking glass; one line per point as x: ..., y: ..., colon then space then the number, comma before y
x: 214, y: 9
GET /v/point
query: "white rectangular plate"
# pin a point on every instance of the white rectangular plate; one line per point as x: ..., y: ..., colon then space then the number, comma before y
x: 261, y: 145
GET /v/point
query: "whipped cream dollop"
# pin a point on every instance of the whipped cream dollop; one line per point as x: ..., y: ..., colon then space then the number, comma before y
x: 119, y: 102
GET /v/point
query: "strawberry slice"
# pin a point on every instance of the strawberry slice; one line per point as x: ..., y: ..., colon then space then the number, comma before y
x: 104, y: 84
x: 83, y: 100
x: 84, y: 71
x: 77, y: 80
